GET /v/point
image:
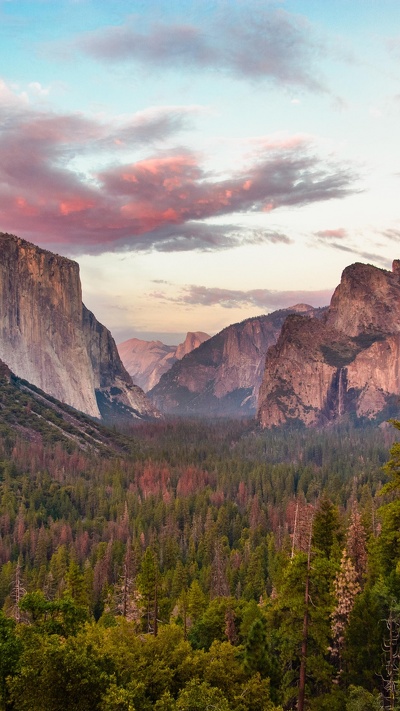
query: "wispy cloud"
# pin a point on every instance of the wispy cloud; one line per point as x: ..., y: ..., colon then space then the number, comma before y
x: 344, y: 241
x: 339, y: 233
x: 393, y: 46
x: 260, y: 298
x: 392, y: 234
x: 247, y: 43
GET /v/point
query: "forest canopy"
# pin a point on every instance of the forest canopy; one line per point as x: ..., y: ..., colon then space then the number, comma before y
x: 214, y: 566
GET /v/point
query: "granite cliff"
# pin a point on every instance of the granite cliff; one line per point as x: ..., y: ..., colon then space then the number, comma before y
x: 222, y: 376
x: 147, y: 361
x: 347, y: 363
x: 49, y: 338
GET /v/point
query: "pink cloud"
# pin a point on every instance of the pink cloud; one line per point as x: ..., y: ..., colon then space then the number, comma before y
x: 339, y: 233
x: 156, y: 203
x: 261, y: 298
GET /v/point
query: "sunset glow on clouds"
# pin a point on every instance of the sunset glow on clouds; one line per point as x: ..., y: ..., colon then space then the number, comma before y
x: 249, y: 149
x: 135, y: 205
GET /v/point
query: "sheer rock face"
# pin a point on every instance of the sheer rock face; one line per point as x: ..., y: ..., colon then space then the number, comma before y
x: 222, y: 376
x: 349, y: 362
x: 147, y: 361
x: 48, y: 337
x: 366, y: 301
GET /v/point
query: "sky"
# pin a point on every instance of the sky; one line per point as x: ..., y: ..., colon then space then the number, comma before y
x: 203, y: 161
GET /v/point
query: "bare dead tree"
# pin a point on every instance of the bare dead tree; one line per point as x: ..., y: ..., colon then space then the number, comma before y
x: 17, y: 592
x: 306, y: 619
x: 391, y: 649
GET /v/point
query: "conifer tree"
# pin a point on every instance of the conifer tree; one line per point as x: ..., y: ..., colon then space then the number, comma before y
x: 356, y: 545
x: 148, y: 582
x: 326, y: 526
x: 196, y: 601
x: 127, y: 597
x: 255, y: 648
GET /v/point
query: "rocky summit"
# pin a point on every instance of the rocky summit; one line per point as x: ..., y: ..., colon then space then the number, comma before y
x: 147, y: 361
x: 49, y: 338
x: 223, y: 375
x: 347, y: 363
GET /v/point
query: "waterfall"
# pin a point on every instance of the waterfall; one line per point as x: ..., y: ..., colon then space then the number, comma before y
x: 341, y: 392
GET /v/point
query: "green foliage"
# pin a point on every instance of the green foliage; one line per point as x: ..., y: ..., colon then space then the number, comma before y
x: 196, y: 528
x: 10, y: 651
x: 326, y: 528
x: 57, y: 674
x: 363, y: 653
x: 360, y: 699
x: 291, y: 609
x: 63, y: 617
x: 255, y: 649
x: 201, y: 696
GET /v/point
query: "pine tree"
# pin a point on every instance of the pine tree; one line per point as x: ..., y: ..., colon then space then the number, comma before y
x: 255, y: 648
x: 326, y: 526
x: 356, y: 545
x: 76, y: 586
x: 196, y: 601
x: 127, y: 597
x: 148, y: 582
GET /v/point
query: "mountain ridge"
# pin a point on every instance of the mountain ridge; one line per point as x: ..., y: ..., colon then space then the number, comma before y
x: 147, y: 361
x: 222, y: 376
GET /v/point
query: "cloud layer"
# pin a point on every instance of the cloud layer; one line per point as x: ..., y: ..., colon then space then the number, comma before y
x: 261, y: 298
x: 66, y: 180
x: 247, y: 44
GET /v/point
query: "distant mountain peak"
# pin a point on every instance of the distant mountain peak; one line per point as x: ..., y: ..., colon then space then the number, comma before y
x: 147, y: 361
x: 222, y: 376
x: 301, y: 308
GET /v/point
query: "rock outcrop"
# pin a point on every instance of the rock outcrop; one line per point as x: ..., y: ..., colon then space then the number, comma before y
x: 348, y: 363
x: 49, y: 338
x: 223, y: 375
x: 193, y: 340
x: 147, y: 361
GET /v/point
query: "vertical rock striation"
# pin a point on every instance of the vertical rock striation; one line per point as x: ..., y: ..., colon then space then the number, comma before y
x: 48, y: 337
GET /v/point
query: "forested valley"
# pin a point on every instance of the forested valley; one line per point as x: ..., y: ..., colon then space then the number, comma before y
x: 210, y: 566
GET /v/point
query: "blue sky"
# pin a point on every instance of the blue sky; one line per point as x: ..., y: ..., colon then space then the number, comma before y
x: 203, y: 161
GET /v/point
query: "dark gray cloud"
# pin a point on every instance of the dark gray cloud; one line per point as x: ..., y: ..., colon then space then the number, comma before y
x: 253, y: 43
x: 204, y: 237
x: 261, y: 298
